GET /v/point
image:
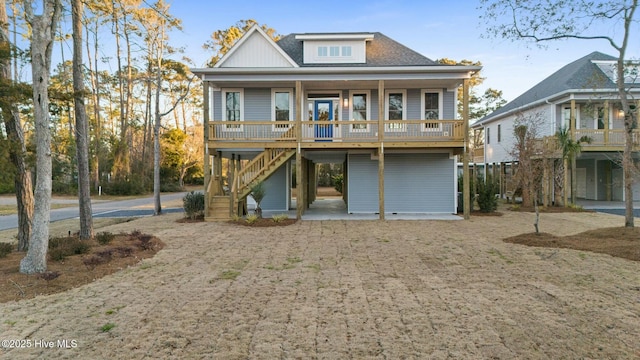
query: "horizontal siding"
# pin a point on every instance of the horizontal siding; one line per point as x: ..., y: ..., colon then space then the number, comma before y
x: 276, y: 191
x: 413, y: 104
x: 257, y: 104
x: 419, y: 183
x: 362, y: 184
x: 448, y: 104
x: 217, y: 106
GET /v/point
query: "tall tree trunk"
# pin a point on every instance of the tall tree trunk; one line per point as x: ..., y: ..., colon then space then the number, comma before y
x: 17, y: 148
x: 42, y: 35
x: 157, y: 210
x: 82, y: 128
x: 120, y: 165
x: 95, y: 83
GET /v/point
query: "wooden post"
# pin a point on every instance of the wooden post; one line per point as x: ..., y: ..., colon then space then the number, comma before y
x: 381, y: 117
x: 299, y: 187
x: 207, y: 157
x: 606, y: 123
x: 466, y: 193
x: 545, y: 182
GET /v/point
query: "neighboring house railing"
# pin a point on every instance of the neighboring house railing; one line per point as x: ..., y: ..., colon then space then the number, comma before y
x: 604, y: 138
x: 344, y: 131
x: 478, y: 154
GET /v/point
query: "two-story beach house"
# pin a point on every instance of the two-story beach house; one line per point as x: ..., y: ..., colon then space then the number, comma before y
x: 382, y: 110
x: 581, y: 97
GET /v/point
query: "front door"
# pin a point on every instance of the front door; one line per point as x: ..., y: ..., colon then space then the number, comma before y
x: 323, y: 111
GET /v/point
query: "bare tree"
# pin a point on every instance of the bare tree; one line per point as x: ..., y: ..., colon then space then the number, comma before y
x: 43, y: 30
x: 530, y: 155
x: 542, y: 21
x: 82, y: 128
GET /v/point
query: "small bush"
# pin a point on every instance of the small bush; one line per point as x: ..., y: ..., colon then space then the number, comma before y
x: 193, y: 204
x: 170, y: 187
x: 487, y: 190
x: 5, y: 249
x: 103, y: 238
x: 251, y: 219
x: 60, y: 248
x: 337, y: 182
x: 279, y: 218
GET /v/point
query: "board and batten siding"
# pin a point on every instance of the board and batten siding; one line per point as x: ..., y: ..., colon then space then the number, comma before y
x: 448, y: 104
x: 413, y: 183
x: 256, y: 51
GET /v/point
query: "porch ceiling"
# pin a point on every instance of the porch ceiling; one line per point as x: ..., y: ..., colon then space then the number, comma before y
x: 347, y: 84
x: 324, y: 157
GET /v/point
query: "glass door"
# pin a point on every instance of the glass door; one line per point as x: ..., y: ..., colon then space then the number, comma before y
x: 323, y: 111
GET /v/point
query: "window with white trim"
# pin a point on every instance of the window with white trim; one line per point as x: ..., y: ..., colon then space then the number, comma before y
x: 346, y: 51
x: 359, y: 109
x: 499, y: 132
x: 334, y: 51
x: 322, y: 51
x: 233, y: 107
x: 431, y: 103
x: 566, y: 116
x: 395, y: 108
x: 487, y: 135
x: 281, y: 106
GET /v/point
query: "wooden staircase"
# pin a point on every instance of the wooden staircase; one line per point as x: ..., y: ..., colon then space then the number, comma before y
x: 257, y: 170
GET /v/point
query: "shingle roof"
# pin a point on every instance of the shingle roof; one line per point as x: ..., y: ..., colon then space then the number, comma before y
x: 381, y: 51
x: 581, y: 74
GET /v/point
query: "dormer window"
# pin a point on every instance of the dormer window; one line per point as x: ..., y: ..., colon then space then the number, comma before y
x: 349, y: 48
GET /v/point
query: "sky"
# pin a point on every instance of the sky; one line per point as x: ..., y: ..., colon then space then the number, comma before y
x: 436, y: 29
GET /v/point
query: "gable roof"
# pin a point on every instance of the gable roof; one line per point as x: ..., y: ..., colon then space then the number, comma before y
x: 582, y: 74
x: 255, y: 29
x: 381, y: 51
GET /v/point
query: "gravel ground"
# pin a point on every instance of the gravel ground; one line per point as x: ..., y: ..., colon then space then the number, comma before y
x: 340, y: 290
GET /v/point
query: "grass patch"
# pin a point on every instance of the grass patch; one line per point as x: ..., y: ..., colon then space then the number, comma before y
x: 229, y: 274
x: 499, y: 254
x: 107, y: 327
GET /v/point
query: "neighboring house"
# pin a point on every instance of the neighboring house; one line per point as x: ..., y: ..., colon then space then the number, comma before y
x: 582, y: 97
x: 385, y: 112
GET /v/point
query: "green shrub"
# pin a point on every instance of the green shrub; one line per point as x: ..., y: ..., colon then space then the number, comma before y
x: 170, y: 187
x: 337, y: 182
x: 251, y: 219
x: 487, y: 190
x: 60, y: 248
x: 279, y: 218
x: 193, y: 204
x: 103, y: 238
x: 135, y: 185
x: 5, y: 249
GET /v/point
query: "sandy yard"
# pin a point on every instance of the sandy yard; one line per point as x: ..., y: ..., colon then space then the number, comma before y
x: 340, y: 290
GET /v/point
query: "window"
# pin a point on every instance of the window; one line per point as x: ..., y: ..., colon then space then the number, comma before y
x: 566, y: 116
x: 232, y: 107
x: 395, y: 108
x: 600, y: 114
x: 322, y: 51
x: 281, y: 106
x: 499, y: 132
x: 432, y: 109
x: 334, y: 51
x: 359, y: 109
x: 488, y: 136
x: 346, y: 51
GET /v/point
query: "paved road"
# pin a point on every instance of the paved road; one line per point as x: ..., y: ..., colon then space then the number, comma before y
x: 636, y: 212
x: 101, y: 208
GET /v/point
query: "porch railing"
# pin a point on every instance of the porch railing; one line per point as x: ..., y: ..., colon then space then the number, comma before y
x: 344, y: 130
x: 612, y: 137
